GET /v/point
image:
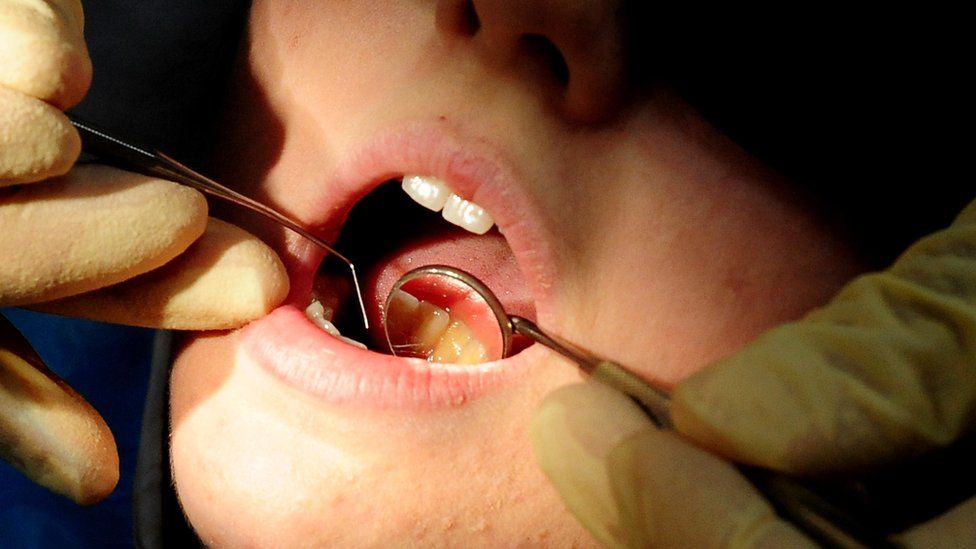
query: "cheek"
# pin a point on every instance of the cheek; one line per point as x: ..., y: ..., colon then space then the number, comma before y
x: 256, y: 463
x: 674, y: 267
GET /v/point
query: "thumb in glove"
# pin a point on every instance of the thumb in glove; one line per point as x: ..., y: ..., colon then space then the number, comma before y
x: 632, y: 485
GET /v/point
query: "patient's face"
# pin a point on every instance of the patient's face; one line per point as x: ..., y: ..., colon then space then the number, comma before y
x: 624, y: 223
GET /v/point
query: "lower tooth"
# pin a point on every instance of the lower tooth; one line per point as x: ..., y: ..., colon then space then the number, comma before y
x: 473, y: 353
x: 352, y: 342
x: 429, y: 192
x: 316, y: 313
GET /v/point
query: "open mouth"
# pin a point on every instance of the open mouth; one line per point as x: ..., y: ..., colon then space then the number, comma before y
x: 423, y: 223
x: 469, y: 215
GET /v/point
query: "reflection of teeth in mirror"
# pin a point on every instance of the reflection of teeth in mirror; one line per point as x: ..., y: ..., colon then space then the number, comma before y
x: 400, y: 315
x: 424, y: 330
x: 319, y: 316
x: 459, y: 346
x: 433, y: 194
x: 451, y: 343
x: 430, y: 323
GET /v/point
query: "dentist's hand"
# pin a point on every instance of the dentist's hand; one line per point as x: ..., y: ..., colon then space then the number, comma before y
x: 883, y: 374
x: 95, y: 242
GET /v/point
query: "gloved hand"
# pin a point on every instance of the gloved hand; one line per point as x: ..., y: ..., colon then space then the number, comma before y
x: 884, y: 373
x: 84, y: 242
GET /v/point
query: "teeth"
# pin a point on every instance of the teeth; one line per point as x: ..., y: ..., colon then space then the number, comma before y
x: 467, y: 215
x: 429, y: 192
x: 458, y: 345
x: 451, y: 343
x: 422, y: 329
x: 318, y: 313
x: 433, y: 194
x: 401, y: 315
x: 433, y: 322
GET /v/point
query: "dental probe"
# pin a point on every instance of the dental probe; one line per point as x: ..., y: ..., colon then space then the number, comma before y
x: 127, y: 155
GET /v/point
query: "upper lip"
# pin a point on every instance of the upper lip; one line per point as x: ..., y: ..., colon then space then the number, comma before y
x: 472, y: 168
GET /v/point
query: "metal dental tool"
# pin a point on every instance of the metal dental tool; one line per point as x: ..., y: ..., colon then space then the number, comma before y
x: 469, y: 301
x: 124, y: 154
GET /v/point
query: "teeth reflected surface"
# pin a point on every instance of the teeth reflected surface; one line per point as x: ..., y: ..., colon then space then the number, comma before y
x: 467, y: 215
x: 421, y: 329
x: 458, y: 345
x: 321, y: 317
x: 433, y: 194
x: 430, y: 323
x: 429, y: 192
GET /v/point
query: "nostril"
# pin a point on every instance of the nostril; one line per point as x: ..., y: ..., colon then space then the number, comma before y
x: 542, y: 49
x: 461, y: 18
x: 469, y: 20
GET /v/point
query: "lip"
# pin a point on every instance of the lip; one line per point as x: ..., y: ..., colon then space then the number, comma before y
x: 290, y: 347
x: 305, y: 357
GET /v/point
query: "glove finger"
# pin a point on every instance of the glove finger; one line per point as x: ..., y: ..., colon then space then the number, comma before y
x: 968, y: 214
x: 672, y: 494
x: 92, y: 228
x: 956, y: 528
x: 224, y: 280
x: 37, y: 141
x: 47, y: 430
x: 42, y: 50
x: 632, y: 485
x: 881, y: 374
x: 572, y: 432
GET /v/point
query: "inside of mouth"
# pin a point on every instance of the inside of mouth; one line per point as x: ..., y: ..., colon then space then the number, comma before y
x: 387, y: 235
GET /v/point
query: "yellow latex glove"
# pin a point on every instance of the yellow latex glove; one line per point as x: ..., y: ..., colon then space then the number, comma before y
x: 882, y: 374
x: 93, y: 242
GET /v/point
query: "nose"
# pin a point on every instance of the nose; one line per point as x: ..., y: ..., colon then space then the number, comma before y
x: 572, y: 50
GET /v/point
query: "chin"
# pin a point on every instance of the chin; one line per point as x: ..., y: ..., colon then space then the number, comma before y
x: 258, y: 462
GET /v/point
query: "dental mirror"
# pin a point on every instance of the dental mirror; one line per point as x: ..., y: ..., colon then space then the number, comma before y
x: 444, y: 314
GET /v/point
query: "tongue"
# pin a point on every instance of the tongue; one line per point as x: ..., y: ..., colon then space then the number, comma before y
x: 487, y: 257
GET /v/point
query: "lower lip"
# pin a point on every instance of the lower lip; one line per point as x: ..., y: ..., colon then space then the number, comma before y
x: 295, y: 351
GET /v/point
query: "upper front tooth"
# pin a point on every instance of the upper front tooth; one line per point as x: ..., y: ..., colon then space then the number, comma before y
x: 467, y: 215
x: 427, y: 191
x: 433, y: 194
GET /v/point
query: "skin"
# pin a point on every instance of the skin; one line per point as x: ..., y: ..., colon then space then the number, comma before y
x: 670, y: 248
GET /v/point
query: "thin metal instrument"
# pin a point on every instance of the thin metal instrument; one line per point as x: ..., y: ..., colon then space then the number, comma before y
x: 127, y: 155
